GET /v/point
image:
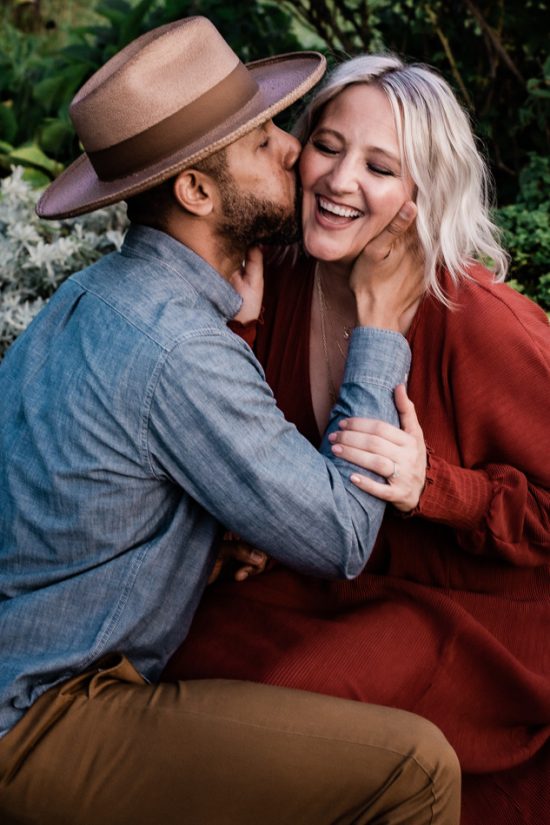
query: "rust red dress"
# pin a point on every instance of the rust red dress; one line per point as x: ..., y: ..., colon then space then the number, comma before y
x: 451, y: 618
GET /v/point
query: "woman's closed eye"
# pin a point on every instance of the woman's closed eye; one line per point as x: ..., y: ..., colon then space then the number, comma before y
x: 323, y: 147
x: 329, y: 149
x: 379, y: 170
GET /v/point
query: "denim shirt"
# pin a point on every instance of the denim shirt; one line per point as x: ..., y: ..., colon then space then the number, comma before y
x: 133, y: 423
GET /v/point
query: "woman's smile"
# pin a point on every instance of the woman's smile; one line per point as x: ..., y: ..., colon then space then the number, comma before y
x: 335, y: 214
x: 351, y: 172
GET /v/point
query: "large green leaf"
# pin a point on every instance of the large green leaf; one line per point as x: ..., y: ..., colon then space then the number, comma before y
x: 32, y: 155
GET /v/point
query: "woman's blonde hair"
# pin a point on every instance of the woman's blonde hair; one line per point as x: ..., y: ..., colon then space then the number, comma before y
x: 439, y: 151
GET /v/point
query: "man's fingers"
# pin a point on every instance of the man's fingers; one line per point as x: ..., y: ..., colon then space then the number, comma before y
x: 248, y: 555
x: 380, y: 247
x: 254, y: 255
x: 255, y: 562
x: 254, y: 265
x: 402, y: 221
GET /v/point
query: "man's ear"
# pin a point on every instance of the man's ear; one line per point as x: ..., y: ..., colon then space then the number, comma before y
x: 195, y: 192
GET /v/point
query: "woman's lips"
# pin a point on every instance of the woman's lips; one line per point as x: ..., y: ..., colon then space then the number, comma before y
x: 334, y: 214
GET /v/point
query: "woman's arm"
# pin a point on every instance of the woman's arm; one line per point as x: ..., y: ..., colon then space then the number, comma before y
x: 496, y: 494
x: 498, y: 374
x: 496, y: 509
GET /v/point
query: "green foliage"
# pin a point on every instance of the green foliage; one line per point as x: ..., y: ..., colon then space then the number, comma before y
x: 526, y: 231
x: 493, y: 52
x: 39, y: 77
x: 255, y: 29
x: 495, y: 55
x: 38, y: 255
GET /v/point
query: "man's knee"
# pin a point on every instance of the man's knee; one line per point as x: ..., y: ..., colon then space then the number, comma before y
x: 437, y: 759
x: 434, y: 751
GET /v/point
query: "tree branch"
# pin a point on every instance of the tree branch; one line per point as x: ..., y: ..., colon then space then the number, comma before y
x: 450, y: 57
x: 494, y: 39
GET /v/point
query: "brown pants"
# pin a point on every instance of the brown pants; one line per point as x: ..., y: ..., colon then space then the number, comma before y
x: 108, y: 748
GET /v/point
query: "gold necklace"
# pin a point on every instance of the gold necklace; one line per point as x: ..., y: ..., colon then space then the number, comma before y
x: 323, y: 313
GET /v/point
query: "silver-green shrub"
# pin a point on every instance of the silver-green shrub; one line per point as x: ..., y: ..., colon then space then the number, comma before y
x: 36, y: 255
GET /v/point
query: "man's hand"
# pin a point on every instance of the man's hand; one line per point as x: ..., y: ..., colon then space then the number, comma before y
x: 388, y: 276
x: 251, y: 561
x: 248, y: 281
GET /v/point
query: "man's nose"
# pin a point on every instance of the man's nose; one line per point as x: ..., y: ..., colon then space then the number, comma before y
x: 290, y: 148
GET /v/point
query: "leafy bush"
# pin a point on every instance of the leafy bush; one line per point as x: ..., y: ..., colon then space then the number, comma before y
x: 526, y: 231
x: 37, y: 255
x: 42, y: 68
x: 494, y: 54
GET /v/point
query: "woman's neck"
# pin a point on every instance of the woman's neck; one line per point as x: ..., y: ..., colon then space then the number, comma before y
x: 333, y: 317
x: 334, y: 279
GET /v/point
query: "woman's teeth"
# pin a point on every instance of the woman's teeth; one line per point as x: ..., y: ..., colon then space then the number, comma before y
x: 341, y: 211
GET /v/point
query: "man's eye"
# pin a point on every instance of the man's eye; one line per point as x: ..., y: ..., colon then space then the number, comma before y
x: 323, y: 147
x: 264, y: 144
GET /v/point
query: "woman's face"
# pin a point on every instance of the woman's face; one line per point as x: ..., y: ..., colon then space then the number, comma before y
x: 352, y: 177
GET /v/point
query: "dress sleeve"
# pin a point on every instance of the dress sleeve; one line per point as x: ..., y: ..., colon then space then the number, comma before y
x: 498, y: 500
x: 248, y: 331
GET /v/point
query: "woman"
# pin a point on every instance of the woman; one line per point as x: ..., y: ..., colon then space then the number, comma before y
x: 451, y: 618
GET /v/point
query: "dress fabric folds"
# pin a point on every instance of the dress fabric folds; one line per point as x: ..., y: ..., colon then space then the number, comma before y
x: 451, y: 617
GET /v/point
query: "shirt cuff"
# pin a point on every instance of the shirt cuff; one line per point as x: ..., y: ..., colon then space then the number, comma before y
x: 379, y: 355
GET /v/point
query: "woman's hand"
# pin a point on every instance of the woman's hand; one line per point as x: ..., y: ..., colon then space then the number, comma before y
x: 388, y: 276
x: 249, y: 560
x: 397, y: 454
x: 248, y: 281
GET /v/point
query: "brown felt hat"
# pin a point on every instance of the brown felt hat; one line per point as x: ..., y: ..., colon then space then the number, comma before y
x: 169, y: 99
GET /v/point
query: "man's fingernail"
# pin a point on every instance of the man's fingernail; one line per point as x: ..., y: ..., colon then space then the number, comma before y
x: 406, y: 212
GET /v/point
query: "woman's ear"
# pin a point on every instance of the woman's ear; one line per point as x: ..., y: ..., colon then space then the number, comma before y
x: 195, y: 192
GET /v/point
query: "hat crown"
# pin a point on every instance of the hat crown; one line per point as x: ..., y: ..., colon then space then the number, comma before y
x: 167, y: 100
x: 160, y: 73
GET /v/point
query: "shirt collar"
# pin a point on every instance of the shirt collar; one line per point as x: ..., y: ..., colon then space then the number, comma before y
x: 146, y: 242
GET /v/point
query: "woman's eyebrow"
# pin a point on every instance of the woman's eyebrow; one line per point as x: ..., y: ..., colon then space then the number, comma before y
x: 330, y: 131
x: 379, y: 150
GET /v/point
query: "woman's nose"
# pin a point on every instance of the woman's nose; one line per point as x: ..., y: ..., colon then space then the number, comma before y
x: 343, y: 177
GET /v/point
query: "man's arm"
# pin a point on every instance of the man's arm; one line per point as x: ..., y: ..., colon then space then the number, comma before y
x: 215, y: 430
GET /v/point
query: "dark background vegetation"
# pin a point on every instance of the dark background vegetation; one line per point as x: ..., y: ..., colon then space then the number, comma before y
x: 493, y: 52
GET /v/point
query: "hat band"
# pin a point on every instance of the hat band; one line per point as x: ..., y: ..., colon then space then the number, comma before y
x: 180, y: 129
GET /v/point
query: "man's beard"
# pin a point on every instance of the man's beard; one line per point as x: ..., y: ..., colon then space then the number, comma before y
x: 249, y: 220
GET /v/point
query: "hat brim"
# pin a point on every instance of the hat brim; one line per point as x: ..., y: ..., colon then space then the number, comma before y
x: 281, y: 80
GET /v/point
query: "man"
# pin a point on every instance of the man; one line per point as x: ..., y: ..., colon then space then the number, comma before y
x: 134, y: 423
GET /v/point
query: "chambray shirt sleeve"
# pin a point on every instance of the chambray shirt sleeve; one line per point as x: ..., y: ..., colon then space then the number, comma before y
x: 214, y: 429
